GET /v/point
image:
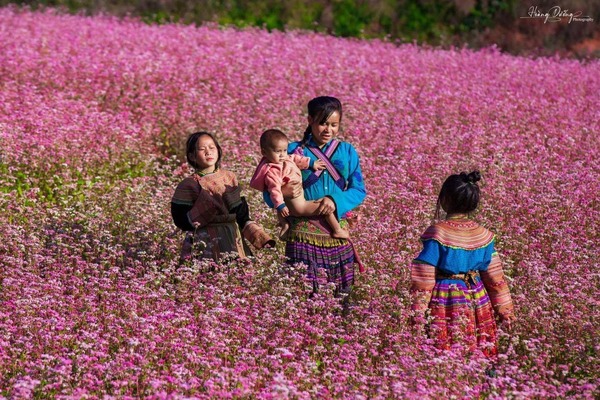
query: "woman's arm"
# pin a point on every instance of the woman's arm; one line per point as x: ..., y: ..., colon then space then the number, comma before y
x: 355, y: 192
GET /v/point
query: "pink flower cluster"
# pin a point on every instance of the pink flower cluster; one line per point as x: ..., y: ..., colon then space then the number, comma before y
x: 94, y: 303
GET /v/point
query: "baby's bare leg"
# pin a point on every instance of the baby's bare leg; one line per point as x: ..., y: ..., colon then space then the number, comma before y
x: 284, y: 225
x: 299, y: 207
x: 338, y: 232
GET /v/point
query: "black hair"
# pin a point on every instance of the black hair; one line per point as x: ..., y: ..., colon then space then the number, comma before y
x: 270, y: 136
x: 320, y: 109
x: 459, y: 194
x: 190, y: 148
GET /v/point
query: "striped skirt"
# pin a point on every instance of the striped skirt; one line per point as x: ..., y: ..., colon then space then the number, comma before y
x: 462, y: 315
x: 328, y: 260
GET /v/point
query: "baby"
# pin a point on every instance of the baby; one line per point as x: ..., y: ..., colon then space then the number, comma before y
x: 279, y: 174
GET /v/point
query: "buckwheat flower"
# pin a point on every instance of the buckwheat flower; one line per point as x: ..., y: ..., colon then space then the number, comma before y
x: 96, y: 304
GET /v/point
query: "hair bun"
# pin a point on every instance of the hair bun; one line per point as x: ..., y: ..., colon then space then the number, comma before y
x: 474, y: 176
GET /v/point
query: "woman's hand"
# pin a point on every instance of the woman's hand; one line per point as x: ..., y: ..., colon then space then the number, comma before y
x: 327, y: 206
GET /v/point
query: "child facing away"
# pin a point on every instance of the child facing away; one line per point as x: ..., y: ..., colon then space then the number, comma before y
x: 457, y: 278
x: 279, y: 174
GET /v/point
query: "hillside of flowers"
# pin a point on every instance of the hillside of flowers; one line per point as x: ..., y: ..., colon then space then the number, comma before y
x: 94, y: 302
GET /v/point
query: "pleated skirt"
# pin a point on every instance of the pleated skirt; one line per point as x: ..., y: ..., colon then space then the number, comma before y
x: 462, y: 317
x: 328, y: 260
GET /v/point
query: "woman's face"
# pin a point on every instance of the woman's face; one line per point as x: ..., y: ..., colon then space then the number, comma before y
x: 207, y: 154
x: 323, y: 133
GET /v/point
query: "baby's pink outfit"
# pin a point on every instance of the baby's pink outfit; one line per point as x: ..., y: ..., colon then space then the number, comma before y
x: 282, y: 181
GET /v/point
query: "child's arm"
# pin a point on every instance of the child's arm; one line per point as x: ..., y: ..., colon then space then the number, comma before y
x: 192, y: 206
x: 236, y: 203
x: 422, y: 276
x: 318, y: 165
x: 284, y: 211
x: 273, y: 183
x: 497, y: 288
x: 183, y: 200
x: 304, y: 162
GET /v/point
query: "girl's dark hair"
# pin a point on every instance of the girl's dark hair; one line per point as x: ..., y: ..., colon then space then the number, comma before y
x: 190, y: 148
x: 459, y: 193
x: 320, y: 109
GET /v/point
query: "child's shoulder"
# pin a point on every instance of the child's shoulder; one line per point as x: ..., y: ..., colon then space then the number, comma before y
x: 187, y: 190
x: 461, y: 225
x: 228, y: 175
x: 463, y: 234
x: 188, y: 182
x: 220, y: 177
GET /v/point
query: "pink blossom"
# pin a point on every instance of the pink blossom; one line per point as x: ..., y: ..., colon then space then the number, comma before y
x: 94, y: 304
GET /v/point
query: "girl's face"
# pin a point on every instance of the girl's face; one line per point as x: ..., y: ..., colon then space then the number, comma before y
x: 323, y: 133
x: 207, y: 154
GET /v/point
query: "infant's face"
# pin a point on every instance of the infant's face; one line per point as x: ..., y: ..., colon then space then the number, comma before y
x: 277, y: 152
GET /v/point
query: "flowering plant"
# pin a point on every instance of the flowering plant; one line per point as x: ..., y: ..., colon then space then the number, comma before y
x: 95, y: 303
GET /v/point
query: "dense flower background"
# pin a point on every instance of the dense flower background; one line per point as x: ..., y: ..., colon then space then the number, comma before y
x: 93, y: 301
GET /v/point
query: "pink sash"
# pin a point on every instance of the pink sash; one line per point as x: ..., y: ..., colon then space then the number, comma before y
x: 325, y: 157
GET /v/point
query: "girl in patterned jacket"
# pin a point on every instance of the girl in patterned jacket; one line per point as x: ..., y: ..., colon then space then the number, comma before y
x: 208, y: 206
x: 458, y: 285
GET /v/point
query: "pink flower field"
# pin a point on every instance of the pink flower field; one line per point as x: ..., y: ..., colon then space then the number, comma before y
x: 94, y: 304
